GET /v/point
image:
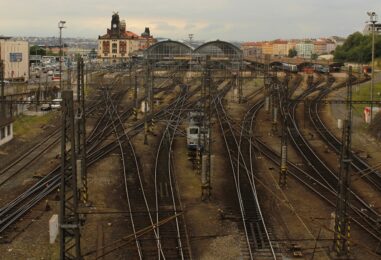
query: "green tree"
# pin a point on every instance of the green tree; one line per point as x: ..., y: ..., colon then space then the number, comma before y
x: 358, y: 48
x: 292, y: 52
x: 37, y: 50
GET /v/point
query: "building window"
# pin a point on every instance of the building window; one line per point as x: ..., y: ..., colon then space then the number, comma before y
x: 122, y: 47
x: 114, y: 48
x: 2, y: 133
x: 9, y: 130
x: 106, y: 47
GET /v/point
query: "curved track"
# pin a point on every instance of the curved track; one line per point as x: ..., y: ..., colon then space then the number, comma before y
x: 363, y: 168
x: 172, y: 237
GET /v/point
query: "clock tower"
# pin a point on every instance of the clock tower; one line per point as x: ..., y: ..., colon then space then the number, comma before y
x: 115, y: 25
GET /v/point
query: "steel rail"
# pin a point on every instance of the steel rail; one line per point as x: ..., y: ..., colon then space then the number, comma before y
x: 12, y: 211
x: 323, y: 170
x: 326, y: 175
x: 34, y: 153
x: 114, y: 113
x: 306, y: 178
x: 373, y: 177
x: 179, y: 103
x: 235, y: 162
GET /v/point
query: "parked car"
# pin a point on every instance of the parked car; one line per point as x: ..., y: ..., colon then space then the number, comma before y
x: 6, y: 82
x: 56, y: 103
x: 45, y: 107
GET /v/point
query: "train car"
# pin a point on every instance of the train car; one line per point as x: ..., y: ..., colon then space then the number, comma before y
x: 290, y: 67
x: 193, y: 135
x: 320, y: 68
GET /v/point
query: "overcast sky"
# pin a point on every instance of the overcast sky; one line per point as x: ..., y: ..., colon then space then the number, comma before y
x: 241, y: 20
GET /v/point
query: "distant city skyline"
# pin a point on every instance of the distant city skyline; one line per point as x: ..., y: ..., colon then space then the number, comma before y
x: 241, y: 20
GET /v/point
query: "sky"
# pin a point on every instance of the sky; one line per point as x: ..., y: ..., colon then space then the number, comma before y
x: 239, y: 20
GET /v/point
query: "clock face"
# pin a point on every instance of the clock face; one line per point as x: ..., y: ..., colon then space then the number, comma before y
x: 114, y: 25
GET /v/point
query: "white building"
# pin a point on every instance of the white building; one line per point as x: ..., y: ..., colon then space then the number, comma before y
x: 331, y: 46
x: 15, y: 57
x: 305, y: 49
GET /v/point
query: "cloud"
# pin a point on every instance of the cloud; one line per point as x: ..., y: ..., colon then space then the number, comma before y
x: 212, y: 19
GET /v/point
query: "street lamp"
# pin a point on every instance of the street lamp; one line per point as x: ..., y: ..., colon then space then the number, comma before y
x: 372, y: 20
x: 61, y: 25
x: 190, y: 62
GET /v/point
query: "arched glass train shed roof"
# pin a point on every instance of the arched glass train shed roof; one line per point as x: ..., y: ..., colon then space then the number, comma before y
x: 174, y: 50
x: 219, y: 50
x: 168, y: 50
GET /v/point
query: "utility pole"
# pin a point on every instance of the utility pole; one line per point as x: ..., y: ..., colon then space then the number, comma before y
x: 150, y: 89
x: 274, y: 106
x: 2, y: 77
x: 240, y: 91
x: 342, y: 220
x: 61, y: 25
x: 136, y: 106
x: 235, y: 87
x: 207, y: 134
x: 283, y: 151
x: 68, y: 219
x: 190, y: 54
x: 81, y: 133
x: 268, y: 84
x: 2, y: 94
x: 146, y: 100
x: 373, y: 21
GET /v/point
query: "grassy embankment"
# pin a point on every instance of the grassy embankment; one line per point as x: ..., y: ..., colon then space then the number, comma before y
x: 363, y: 93
x: 30, y: 126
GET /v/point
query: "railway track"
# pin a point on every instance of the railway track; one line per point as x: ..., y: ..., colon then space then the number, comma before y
x: 361, y: 212
x: 239, y: 147
x: 16, y: 208
x: 362, y: 168
x: 34, y: 153
x: 172, y: 237
x: 303, y: 176
x: 31, y: 155
x: 136, y: 198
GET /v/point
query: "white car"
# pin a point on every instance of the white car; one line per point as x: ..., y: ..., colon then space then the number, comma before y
x: 56, y: 103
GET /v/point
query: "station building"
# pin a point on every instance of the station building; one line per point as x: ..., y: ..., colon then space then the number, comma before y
x: 15, y: 57
x: 118, y: 44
